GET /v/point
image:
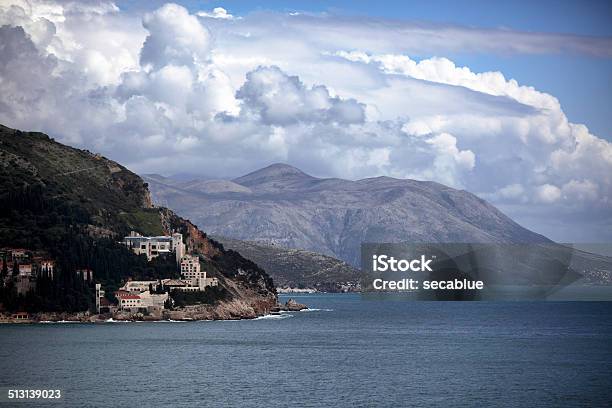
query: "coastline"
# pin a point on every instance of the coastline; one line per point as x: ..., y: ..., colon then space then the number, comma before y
x: 234, y: 310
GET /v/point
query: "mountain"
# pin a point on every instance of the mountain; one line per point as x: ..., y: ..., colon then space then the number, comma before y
x: 74, y: 206
x: 296, y: 268
x: 284, y: 206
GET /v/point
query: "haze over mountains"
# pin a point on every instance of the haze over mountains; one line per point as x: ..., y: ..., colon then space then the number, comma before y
x: 282, y: 205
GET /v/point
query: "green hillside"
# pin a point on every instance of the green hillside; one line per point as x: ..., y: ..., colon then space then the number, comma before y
x: 74, y: 206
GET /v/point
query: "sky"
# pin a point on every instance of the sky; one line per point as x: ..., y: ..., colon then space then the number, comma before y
x: 511, y: 101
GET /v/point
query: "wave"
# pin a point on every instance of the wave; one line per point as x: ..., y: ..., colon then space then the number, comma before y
x: 274, y: 316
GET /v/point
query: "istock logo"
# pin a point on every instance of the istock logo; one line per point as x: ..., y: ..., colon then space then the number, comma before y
x: 383, y: 263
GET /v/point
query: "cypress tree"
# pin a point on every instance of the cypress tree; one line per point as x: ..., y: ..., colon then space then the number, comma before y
x: 4, y: 272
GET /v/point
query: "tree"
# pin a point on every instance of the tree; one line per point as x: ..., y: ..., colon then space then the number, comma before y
x: 168, y: 303
x: 4, y: 272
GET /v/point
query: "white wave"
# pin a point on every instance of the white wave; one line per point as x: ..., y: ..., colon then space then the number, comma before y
x: 316, y: 310
x: 273, y: 316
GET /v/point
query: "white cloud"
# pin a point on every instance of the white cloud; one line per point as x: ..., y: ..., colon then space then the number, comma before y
x: 217, y: 12
x: 529, y: 142
x: 175, y: 37
x: 581, y: 190
x: 280, y: 99
x: 548, y: 193
x: 221, y: 95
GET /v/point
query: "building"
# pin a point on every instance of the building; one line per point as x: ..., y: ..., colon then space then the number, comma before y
x: 106, y: 306
x: 99, y: 296
x: 19, y: 254
x: 155, y: 246
x: 25, y: 270
x: 153, y: 300
x: 139, y: 286
x: 171, y: 284
x: 86, y: 274
x: 129, y: 302
x: 24, y: 284
x: 192, y: 274
x: 21, y: 316
x: 145, y: 300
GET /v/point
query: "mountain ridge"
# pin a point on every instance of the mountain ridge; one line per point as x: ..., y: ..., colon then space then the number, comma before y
x: 332, y: 216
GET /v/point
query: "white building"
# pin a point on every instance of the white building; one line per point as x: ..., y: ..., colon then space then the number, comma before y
x: 129, y: 302
x: 155, y: 246
x: 191, y: 273
x: 138, y: 286
x: 99, y: 295
x: 144, y: 300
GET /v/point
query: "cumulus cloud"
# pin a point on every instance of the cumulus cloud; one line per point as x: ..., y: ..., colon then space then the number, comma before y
x: 281, y: 99
x: 209, y: 93
x: 175, y: 37
x: 539, y: 148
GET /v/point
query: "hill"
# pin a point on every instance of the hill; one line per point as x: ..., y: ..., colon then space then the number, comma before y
x: 296, y: 268
x: 75, y: 205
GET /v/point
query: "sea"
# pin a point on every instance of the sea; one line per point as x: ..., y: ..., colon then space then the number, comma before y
x: 344, y: 351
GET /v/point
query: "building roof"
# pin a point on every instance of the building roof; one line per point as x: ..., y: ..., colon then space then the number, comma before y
x: 145, y: 239
x: 130, y: 297
x: 174, y: 282
x: 139, y: 283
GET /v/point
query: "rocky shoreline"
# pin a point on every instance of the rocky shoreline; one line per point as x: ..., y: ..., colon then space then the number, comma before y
x: 233, y: 310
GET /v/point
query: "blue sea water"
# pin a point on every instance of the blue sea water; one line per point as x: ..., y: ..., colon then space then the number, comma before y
x: 344, y: 352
